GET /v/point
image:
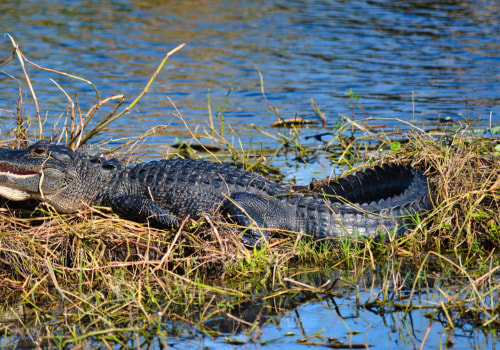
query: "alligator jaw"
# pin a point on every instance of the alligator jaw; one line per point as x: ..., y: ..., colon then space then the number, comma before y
x: 13, y: 193
x: 9, y: 190
x: 10, y: 171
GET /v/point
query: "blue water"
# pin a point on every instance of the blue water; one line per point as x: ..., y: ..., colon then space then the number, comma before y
x: 437, y: 54
x: 415, y: 61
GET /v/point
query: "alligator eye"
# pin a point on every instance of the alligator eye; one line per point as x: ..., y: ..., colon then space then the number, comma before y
x: 39, y: 151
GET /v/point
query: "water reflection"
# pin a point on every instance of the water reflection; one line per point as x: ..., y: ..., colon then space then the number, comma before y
x: 388, y: 308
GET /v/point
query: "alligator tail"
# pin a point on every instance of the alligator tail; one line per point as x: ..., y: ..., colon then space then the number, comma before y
x: 374, y: 202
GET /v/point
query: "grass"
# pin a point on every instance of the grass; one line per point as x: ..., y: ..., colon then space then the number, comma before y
x: 93, y: 279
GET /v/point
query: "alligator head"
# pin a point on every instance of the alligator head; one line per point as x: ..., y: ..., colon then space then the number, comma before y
x: 42, y: 171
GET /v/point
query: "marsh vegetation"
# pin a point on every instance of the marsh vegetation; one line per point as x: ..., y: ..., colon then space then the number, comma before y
x: 93, y: 279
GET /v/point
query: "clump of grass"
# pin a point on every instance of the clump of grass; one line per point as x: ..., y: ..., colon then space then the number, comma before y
x: 466, y: 174
x: 117, y: 280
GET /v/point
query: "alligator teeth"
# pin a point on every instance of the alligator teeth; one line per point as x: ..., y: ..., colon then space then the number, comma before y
x: 8, y: 170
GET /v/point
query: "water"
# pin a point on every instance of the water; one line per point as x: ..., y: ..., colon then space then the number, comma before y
x: 417, y: 61
x: 441, y: 52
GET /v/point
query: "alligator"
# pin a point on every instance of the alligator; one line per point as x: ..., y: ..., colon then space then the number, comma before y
x: 371, y: 203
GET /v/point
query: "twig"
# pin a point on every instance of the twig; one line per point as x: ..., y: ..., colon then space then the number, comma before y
x: 318, y: 113
x: 106, y: 121
x: 71, y: 103
x: 167, y: 254
x: 10, y: 58
x: 62, y: 73
x: 28, y: 81
x: 273, y: 109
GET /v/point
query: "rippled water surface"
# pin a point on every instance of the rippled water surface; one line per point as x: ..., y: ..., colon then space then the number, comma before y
x: 413, y: 60
x: 442, y: 52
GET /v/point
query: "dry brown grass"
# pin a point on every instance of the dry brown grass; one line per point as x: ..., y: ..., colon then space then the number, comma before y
x: 465, y: 174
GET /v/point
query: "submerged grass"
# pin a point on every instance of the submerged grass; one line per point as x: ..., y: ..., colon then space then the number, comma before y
x: 93, y: 278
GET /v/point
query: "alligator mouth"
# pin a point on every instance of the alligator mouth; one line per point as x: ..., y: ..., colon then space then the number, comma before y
x: 9, y: 170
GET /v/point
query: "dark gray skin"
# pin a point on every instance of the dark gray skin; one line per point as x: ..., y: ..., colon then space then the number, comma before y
x: 164, y: 192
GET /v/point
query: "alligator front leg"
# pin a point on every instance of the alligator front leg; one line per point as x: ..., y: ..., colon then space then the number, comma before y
x: 143, y: 209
